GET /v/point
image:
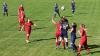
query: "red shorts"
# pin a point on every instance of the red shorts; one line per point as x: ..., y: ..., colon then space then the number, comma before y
x: 21, y: 22
x: 83, y: 41
x: 57, y: 34
x: 28, y: 32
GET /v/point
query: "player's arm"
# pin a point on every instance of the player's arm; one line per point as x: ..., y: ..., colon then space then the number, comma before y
x: 53, y: 21
x: 80, y: 32
x: 32, y: 23
x: 71, y: 30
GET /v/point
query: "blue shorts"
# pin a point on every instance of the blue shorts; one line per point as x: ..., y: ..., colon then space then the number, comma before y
x: 73, y: 37
x: 64, y: 34
x: 5, y: 10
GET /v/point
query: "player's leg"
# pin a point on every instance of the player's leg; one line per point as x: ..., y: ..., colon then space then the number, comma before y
x: 80, y: 46
x: 66, y: 42
x: 63, y: 42
x: 7, y: 12
x: 73, y: 46
x: 73, y: 38
x: 58, y: 13
x: 86, y: 47
x: 66, y: 39
x: 59, y: 41
x: 22, y: 25
x: 73, y: 10
x: 27, y: 36
x: 19, y: 27
x: 57, y: 36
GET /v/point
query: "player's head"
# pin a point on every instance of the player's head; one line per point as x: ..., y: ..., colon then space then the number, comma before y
x: 82, y: 26
x: 55, y: 3
x: 64, y: 18
x: 4, y: 3
x: 74, y: 24
x: 21, y: 5
x: 28, y: 20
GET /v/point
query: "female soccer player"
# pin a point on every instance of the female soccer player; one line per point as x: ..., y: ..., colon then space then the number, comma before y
x: 21, y: 20
x: 56, y: 10
x: 20, y: 8
x: 58, y: 32
x: 28, y: 29
x: 5, y: 9
x: 73, y: 6
x: 64, y: 32
x: 73, y: 36
x: 83, y: 40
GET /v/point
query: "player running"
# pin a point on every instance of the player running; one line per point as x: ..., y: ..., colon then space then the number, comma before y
x: 64, y: 32
x: 73, y: 36
x: 73, y: 6
x: 28, y: 25
x: 56, y: 10
x: 83, y: 40
x: 21, y: 20
x: 5, y: 9
x: 58, y: 32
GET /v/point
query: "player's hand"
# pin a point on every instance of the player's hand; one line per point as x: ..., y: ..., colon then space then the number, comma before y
x: 35, y: 25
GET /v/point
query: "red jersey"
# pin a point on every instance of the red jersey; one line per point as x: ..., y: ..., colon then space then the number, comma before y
x: 83, y: 34
x: 28, y: 26
x: 21, y: 15
x: 58, y: 26
x: 20, y: 8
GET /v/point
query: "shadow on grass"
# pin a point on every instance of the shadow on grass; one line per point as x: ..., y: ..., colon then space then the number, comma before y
x: 69, y: 16
x: 13, y: 15
x: 80, y: 37
x: 94, y: 46
x: 37, y: 28
x: 95, y: 52
x: 38, y: 40
x: 82, y: 13
x: 39, y: 20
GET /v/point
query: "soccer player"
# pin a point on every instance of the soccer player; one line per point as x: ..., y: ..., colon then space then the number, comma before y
x: 28, y: 25
x: 20, y: 8
x: 73, y: 6
x: 64, y: 32
x: 73, y: 36
x: 56, y: 10
x: 5, y: 9
x: 21, y: 20
x: 83, y: 40
x: 58, y: 32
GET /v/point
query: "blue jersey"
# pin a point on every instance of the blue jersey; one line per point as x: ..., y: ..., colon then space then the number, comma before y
x: 64, y: 28
x: 73, y: 5
x: 56, y: 9
x: 73, y: 33
x: 5, y: 7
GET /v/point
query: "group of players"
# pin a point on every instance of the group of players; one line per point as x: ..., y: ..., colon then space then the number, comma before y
x: 62, y: 28
x: 24, y: 24
x: 62, y: 32
x: 62, y: 35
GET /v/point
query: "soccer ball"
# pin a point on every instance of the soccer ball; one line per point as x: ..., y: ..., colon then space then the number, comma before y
x: 62, y: 8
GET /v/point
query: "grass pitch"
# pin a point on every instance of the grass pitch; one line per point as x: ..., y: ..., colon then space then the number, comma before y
x: 12, y: 42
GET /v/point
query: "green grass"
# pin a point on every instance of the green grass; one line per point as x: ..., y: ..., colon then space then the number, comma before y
x: 12, y: 42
